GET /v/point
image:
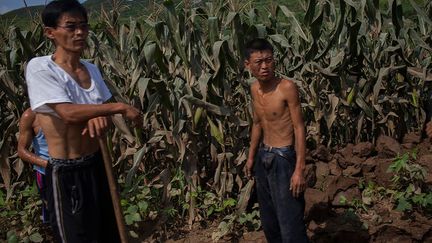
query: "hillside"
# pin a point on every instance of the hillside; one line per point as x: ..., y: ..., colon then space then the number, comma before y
x: 22, y: 16
x: 140, y: 9
x: 135, y: 8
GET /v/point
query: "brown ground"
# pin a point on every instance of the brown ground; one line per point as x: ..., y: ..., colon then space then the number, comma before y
x: 332, y: 173
x: 338, y: 172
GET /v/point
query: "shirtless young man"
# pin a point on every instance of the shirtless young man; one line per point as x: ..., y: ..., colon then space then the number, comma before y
x: 68, y: 96
x: 278, y: 144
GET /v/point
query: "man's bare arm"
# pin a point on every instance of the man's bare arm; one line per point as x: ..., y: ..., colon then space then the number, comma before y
x: 298, y: 124
x: 255, y: 137
x: 292, y: 96
x: 25, y: 138
x: 256, y: 133
x: 80, y: 113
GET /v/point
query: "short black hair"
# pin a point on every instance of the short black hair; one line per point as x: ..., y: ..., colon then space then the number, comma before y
x: 257, y: 44
x: 54, y: 10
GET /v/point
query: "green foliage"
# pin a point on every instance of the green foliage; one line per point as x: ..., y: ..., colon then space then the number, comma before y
x: 23, y: 211
x: 2, y: 199
x: 11, y: 237
x: 408, y: 191
x: 231, y: 224
x: 217, y: 205
x: 371, y: 193
x: 137, y: 205
x: 355, y: 204
x: 409, y: 184
x: 407, y: 174
x: 251, y: 220
x: 131, y: 215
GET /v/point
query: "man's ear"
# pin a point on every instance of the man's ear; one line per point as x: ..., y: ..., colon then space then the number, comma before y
x: 246, y: 64
x: 48, y: 31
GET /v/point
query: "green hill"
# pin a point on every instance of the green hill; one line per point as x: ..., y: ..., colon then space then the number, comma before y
x: 21, y: 17
x: 143, y: 8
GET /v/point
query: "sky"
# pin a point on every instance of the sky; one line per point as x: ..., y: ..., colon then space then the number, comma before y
x: 8, y: 5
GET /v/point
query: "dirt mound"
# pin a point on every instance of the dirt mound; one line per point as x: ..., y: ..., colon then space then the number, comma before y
x: 351, y: 200
x: 351, y: 196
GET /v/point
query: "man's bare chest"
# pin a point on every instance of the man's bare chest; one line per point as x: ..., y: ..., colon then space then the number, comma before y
x: 270, y: 108
x: 80, y: 76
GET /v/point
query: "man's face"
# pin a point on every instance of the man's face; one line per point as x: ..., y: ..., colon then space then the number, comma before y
x: 70, y: 33
x: 261, y: 65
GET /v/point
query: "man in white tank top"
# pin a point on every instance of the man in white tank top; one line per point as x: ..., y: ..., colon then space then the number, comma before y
x: 70, y: 98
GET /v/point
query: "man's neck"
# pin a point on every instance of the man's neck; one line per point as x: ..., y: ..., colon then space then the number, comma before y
x: 67, y: 58
x: 269, y: 84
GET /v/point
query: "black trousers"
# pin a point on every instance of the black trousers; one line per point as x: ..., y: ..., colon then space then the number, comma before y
x: 79, y: 200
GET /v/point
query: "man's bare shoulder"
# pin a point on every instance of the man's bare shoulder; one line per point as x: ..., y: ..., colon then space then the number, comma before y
x: 27, y: 119
x: 28, y: 115
x: 254, y: 87
x: 288, y: 85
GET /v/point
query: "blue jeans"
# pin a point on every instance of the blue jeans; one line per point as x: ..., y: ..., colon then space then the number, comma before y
x: 281, y: 213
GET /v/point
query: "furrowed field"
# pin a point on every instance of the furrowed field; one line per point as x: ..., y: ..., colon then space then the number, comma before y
x: 363, y: 69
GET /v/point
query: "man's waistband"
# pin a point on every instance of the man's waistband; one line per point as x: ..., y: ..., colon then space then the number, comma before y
x: 76, y: 161
x: 268, y: 148
x: 281, y: 151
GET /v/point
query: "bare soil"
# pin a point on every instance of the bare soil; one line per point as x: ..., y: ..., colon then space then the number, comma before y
x: 333, y: 174
x: 336, y: 173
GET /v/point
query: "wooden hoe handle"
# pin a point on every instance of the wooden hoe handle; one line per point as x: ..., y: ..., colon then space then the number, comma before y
x: 113, y: 190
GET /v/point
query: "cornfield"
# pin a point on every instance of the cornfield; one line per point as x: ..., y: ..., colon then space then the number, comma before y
x: 363, y: 69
